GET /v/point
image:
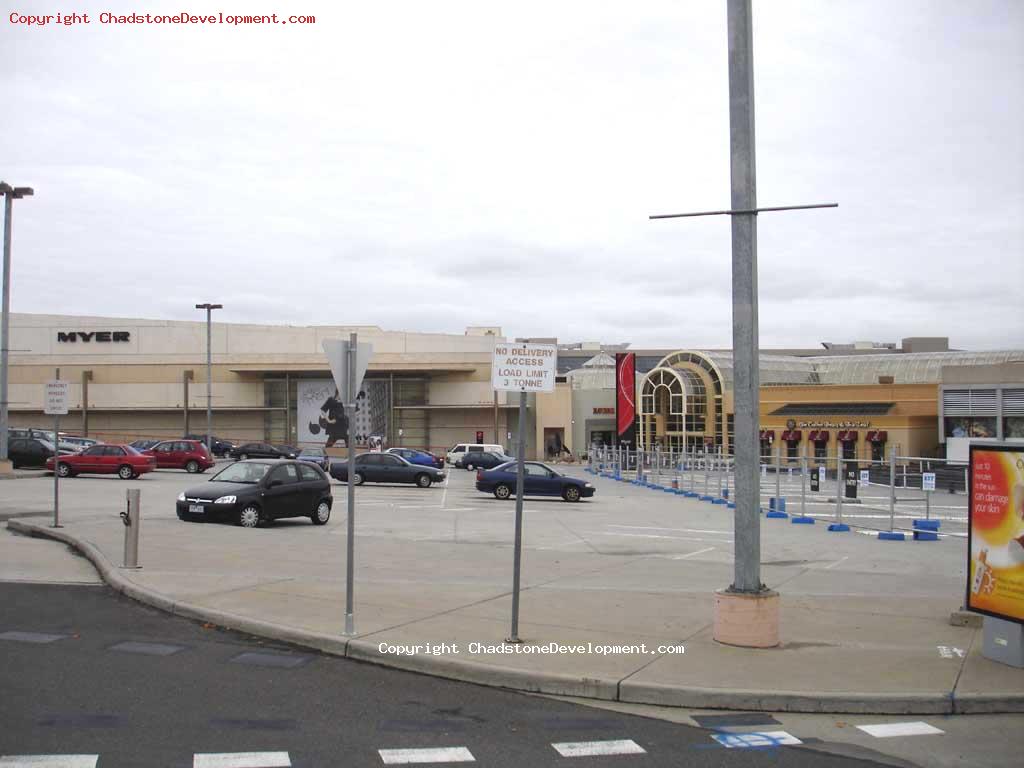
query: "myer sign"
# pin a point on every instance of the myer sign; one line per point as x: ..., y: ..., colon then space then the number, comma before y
x: 523, y: 367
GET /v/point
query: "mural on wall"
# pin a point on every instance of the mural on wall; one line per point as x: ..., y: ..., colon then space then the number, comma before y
x: 322, y: 420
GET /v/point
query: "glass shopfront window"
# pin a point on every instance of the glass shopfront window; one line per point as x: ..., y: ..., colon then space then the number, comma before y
x: 820, y: 450
x: 877, y: 451
x: 971, y: 426
x: 1013, y: 426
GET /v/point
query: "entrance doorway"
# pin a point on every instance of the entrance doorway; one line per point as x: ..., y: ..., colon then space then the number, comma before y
x: 554, y: 442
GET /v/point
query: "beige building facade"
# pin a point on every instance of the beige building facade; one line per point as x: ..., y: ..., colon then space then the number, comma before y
x: 134, y: 378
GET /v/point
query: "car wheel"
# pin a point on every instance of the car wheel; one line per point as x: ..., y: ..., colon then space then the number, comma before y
x: 250, y: 516
x: 63, y: 470
x: 503, y: 492
x: 243, y: 456
x: 358, y: 478
x: 322, y: 513
x: 192, y: 466
x: 125, y: 472
x: 571, y: 493
x: 423, y: 481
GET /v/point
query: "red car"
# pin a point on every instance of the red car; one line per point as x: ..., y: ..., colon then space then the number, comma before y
x: 190, y: 455
x: 121, y: 460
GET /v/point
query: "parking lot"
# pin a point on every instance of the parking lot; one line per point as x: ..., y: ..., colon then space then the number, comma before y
x: 452, y: 522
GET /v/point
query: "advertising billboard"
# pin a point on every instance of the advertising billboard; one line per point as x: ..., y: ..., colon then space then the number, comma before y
x: 321, y: 419
x: 995, y: 532
x: 625, y: 397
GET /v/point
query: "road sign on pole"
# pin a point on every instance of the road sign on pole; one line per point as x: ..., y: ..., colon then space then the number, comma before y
x: 55, y: 401
x: 348, y: 361
x: 338, y: 358
x: 523, y: 367
x: 928, y: 481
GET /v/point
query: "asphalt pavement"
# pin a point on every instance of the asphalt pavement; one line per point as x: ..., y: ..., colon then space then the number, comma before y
x: 90, y: 673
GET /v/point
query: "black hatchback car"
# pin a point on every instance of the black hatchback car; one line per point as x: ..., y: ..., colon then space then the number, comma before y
x: 260, y: 451
x: 219, y: 446
x: 29, y: 452
x: 481, y: 460
x: 386, y: 468
x: 250, y: 493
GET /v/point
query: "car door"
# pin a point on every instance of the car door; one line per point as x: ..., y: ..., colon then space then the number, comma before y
x: 111, y: 458
x: 18, y: 453
x: 369, y: 467
x: 88, y: 460
x: 283, y: 494
x: 312, y: 484
x: 162, y: 453
x: 536, y: 481
x: 394, y: 470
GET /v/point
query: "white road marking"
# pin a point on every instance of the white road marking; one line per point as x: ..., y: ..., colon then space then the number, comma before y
x: 431, y: 755
x: 755, y: 739
x: 678, y: 530
x: 591, y: 748
x: 837, y: 562
x: 886, y: 730
x: 241, y: 760
x: 48, y: 761
x: 655, y: 536
x: 692, y: 554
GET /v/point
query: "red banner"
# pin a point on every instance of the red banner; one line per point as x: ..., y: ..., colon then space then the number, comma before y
x: 625, y: 397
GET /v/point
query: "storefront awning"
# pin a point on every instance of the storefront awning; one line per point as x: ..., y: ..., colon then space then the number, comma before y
x: 847, y: 436
x: 818, y: 436
x: 792, y: 435
x: 767, y: 434
x: 877, y: 436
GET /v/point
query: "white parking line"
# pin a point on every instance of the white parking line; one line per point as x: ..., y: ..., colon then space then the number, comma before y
x: 431, y: 755
x: 887, y: 730
x: 48, y: 761
x: 679, y: 530
x: 655, y: 536
x: 692, y: 554
x: 592, y: 748
x: 241, y: 760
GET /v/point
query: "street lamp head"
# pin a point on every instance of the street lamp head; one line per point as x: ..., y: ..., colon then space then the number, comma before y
x: 209, y: 306
x: 15, y: 192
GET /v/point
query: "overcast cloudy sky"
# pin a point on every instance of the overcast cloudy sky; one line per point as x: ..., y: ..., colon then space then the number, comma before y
x: 428, y: 166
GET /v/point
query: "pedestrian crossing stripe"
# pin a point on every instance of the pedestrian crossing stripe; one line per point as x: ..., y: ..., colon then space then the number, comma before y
x: 886, y: 730
x: 592, y: 748
x: 48, y: 761
x: 241, y: 760
x: 429, y: 755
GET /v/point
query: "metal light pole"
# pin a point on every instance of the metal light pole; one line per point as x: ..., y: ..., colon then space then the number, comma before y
x: 747, y: 612
x: 10, y: 195
x: 350, y: 539
x: 209, y: 374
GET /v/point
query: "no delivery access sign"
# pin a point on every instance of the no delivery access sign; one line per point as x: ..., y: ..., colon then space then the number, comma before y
x: 523, y: 367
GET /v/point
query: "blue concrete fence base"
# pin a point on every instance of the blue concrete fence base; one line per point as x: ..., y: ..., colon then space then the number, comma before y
x: 839, y: 527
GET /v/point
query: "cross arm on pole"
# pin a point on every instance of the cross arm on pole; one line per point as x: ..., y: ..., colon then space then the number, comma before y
x: 754, y: 211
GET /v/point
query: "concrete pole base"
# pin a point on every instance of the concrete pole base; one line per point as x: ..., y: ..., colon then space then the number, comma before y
x: 747, y: 620
x: 6, y: 468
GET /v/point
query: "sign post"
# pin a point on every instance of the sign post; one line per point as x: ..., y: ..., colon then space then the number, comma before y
x: 348, y: 361
x: 521, y: 367
x: 56, y: 405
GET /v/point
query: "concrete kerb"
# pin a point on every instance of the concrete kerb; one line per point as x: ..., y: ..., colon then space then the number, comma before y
x: 545, y: 683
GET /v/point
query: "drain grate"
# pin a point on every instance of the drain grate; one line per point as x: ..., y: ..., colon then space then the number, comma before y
x: 31, y: 637
x: 279, y: 660
x: 147, y: 649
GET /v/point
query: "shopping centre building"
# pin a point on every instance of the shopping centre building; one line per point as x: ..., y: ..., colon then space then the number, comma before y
x: 134, y: 378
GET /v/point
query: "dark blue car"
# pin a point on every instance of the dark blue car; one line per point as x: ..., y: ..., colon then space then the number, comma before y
x: 538, y: 480
x: 414, y: 456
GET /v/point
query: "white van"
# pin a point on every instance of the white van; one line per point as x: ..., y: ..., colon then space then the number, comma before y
x: 461, y: 448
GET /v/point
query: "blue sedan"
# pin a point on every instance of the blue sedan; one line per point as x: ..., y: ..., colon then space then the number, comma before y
x: 538, y: 480
x: 413, y: 456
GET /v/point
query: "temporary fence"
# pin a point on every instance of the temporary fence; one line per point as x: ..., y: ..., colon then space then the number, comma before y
x: 894, y: 497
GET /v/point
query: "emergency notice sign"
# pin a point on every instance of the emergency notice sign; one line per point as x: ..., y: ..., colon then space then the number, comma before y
x: 519, y: 367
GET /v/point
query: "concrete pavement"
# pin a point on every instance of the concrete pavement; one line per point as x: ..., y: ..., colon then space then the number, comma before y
x: 618, y: 581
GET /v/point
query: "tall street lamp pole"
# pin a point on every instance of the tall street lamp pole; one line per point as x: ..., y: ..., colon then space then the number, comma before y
x: 209, y: 371
x: 10, y: 195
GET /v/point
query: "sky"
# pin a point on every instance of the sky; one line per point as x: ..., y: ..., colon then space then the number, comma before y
x: 431, y: 166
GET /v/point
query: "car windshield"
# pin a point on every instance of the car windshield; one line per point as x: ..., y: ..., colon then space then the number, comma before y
x: 243, y: 472
x: 131, y: 451
x: 45, y: 443
x: 312, y: 451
